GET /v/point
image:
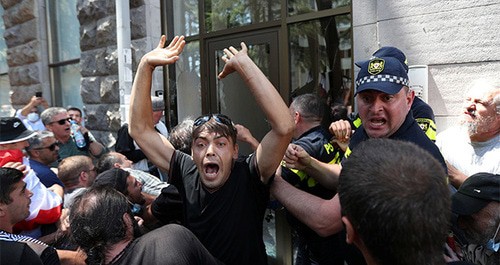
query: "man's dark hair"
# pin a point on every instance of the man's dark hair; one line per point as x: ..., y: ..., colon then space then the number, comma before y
x: 8, y: 177
x: 115, y: 178
x: 96, y: 221
x: 217, y: 123
x: 75, y: 109
x: 310, y: 106
x: 395, y: 195
x: 107, y: 162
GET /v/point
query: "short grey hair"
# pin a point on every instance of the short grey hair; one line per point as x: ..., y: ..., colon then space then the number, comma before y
x: 49, y: 113
x: 37, y: 140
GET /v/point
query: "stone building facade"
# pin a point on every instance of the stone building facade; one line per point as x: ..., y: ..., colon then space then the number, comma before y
x: 99, y: 62
x: 26, y: 39
x: 26, y: 58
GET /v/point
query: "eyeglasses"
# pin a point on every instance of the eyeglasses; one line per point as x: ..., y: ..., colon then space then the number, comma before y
x: 51, y: 147
x: 220, y: 118
x: 61, y: 122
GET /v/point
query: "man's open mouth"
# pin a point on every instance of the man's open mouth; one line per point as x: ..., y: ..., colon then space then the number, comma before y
x: 211, y: 169
x: 377, y: 122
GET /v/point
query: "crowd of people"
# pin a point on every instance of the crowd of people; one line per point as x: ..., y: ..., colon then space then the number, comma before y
x: 383, y: 188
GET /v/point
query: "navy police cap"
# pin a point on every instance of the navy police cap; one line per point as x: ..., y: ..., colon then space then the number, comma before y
x: 385, y: 74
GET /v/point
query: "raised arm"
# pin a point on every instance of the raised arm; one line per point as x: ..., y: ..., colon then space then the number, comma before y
x: 322, y: 216
x: 34, y: 102
x: 272, y: 147
x: 246, y: 136
x: 141, y: 128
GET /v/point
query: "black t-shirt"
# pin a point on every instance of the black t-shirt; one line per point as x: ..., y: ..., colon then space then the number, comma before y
x: 17, y: 253
x: 125, y: 145
x: 169, y: 244
x: 229, y: 221
x: 46, y: 253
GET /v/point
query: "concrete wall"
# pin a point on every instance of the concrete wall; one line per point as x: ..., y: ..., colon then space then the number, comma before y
x: 459, y: 40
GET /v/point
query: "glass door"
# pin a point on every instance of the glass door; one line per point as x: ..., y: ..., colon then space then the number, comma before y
x: 230, y: 95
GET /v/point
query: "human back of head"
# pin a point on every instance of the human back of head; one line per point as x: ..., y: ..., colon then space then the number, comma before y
x: 310, y: 106
x: 70, y: 171
x: 181, y: 136
x: 397, y: 202
x: 108, y: 161
x: 115, y: 178
x: 97, y: 221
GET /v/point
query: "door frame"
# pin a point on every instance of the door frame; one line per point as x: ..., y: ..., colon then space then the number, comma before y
x: 269, y: 36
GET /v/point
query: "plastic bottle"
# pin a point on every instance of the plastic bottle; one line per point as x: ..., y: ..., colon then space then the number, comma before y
x: 77, y: 135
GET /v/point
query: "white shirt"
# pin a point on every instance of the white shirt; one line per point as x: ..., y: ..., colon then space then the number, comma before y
x: 34, y: 126
x: 469, y: 157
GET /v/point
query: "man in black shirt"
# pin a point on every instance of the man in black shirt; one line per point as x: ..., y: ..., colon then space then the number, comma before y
x: 224, y: 197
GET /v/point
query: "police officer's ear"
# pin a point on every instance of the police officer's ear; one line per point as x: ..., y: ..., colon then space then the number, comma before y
x: 351, y: 234
x: 410, y: 96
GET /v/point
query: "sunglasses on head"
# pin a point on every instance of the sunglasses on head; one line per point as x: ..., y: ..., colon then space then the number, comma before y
x: 51, y: 147
x: 61, y: 122
x: 219, y: 118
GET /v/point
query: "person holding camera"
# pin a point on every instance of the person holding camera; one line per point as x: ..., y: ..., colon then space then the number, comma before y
x: 30, y: 114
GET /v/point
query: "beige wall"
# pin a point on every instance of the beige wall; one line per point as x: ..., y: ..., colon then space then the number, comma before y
x: 459, y: 40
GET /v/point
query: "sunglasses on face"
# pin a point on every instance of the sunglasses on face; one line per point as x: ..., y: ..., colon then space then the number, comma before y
x: 61, y: 122
x: 51, y: 147
x: 219, y: 118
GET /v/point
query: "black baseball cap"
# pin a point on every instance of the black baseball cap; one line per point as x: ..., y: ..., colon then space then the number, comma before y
x: 475, y: 193
x: 12, y: 130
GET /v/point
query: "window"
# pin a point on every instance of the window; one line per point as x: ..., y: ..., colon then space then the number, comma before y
x: 316, y: 34
x: 64, y: 52
x: 320, y: 60
x: 226, y: 14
